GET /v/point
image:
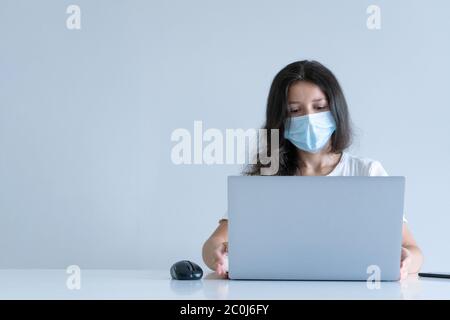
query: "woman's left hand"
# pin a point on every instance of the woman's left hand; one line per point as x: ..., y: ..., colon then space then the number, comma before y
x: 405, y: 263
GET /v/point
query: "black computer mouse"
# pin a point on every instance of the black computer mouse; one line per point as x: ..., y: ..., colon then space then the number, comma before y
x: 186, y: 270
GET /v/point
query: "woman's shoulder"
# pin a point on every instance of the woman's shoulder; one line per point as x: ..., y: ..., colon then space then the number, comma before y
x: 363, y: 166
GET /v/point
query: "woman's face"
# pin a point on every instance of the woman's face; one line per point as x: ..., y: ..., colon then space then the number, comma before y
x: 306, y: 98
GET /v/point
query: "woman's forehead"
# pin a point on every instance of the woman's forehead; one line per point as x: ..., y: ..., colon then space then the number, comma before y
x: 301, y: 91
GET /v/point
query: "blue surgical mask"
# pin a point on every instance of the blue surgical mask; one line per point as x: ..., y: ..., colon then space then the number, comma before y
x: 311, y: 132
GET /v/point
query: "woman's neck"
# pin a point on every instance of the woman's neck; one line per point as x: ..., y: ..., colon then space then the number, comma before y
x: 320, y: 163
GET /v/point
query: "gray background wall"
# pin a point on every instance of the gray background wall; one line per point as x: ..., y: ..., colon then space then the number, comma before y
x: 86, y: 116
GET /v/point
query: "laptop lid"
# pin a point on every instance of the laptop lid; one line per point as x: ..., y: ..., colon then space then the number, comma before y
x: 315, y: 228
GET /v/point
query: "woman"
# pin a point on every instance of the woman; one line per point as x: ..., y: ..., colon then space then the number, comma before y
x: 307, y: 105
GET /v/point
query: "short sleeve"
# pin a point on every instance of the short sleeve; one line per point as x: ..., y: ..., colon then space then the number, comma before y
x: 376, y: 169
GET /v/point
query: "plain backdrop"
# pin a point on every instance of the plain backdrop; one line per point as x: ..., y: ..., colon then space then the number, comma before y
x: 86, y: 116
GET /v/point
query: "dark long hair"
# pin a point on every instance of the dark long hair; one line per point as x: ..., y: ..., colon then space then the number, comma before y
x: 277, y: 112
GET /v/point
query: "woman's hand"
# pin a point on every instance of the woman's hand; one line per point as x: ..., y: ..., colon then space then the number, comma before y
x: 220, y: 255
x: 405, y: 263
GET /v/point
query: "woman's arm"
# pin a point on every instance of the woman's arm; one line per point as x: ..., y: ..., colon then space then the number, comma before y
x: 412, y: 256
x: 215, y: 248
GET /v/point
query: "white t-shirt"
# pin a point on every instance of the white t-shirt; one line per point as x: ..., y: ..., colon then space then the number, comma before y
x: 350, y: 165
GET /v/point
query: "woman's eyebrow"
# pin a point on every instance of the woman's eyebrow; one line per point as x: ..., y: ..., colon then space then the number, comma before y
x: 315, y: 100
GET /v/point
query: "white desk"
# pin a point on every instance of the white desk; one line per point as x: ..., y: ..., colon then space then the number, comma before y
x: 156, y: 284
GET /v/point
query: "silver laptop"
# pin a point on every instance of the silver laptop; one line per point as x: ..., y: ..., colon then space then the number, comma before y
x: 315, y: 228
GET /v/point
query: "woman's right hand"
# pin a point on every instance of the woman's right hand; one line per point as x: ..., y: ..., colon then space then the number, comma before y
x: 220, y: 255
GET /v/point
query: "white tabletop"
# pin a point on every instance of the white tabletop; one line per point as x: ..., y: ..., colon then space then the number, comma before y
x: 157, y: 284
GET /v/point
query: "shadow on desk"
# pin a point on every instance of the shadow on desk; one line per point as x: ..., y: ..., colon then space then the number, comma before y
x: 213, y: 286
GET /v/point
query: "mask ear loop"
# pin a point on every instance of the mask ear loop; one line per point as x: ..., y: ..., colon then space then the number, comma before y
x: 336, y: 122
